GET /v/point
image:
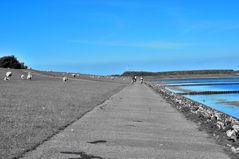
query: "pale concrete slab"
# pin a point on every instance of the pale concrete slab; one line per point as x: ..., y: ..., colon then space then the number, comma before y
x: 135, y: 123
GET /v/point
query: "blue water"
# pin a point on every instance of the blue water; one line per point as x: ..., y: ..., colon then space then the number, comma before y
x: 214, y: 101
x: 233, y: 79
x: 222, y: 102
x: 232, y: 87
x: 173, y: 90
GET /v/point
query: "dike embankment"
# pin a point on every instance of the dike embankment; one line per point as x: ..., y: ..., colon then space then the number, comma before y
x: 224, y: 128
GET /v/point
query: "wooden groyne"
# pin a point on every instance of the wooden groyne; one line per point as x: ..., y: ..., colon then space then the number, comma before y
x: 209, y: 92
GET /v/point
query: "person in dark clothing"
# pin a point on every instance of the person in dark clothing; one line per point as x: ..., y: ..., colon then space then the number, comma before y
x: 134, y: 79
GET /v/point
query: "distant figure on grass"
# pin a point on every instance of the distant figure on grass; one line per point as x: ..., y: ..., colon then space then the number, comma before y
x: 22, y: 76
x: 65, y: 79
x: 8, y: 75
x: 141, y: 80
x: 29, y: 76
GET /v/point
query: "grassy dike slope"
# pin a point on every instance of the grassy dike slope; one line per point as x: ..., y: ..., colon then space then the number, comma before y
x: 32, y: 111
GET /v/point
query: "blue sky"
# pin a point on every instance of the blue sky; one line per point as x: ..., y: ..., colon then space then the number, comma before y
x: 113, y: 36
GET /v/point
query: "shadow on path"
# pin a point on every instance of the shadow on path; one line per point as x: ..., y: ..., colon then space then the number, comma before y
x: 83, y: 155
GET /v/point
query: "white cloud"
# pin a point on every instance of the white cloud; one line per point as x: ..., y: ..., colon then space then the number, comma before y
x: 140, y: 44
x: 215, y: 26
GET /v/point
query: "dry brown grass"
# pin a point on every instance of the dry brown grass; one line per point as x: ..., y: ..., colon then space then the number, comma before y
x: 32, y: 111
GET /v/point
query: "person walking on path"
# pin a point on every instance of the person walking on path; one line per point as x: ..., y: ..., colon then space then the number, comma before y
x: 134, y: 78
x: 141, y: 80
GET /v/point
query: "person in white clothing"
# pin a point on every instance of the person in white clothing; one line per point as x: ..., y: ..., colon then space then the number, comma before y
x: 142, y: 80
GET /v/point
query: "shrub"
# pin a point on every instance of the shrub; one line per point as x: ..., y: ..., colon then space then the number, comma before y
x: 11, y: 62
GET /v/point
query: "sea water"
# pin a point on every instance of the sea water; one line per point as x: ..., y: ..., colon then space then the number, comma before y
x: 226, y: 103
x: 222, y: 87
x: 231, y: 79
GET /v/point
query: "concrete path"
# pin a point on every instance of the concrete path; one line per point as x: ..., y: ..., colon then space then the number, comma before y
x: 135, y: 123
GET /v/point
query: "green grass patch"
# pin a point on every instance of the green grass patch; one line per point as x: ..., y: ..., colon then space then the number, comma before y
x: 32, y: 111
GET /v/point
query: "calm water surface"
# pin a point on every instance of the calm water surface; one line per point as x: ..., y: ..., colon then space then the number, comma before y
x: 227, y: 103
